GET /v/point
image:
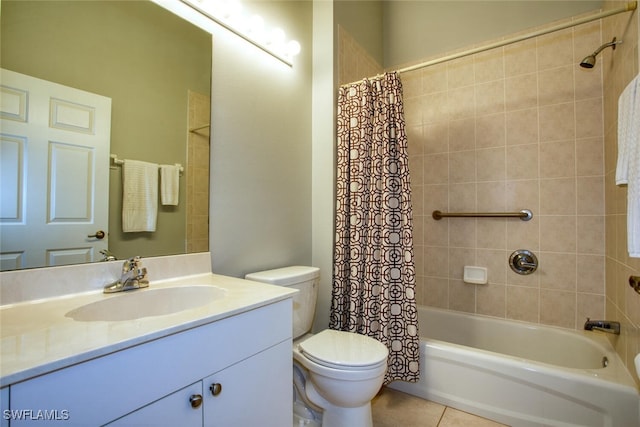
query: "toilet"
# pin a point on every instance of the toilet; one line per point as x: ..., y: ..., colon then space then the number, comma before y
x: 342, y: 371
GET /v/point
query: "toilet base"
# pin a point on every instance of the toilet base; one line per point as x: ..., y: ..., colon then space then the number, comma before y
x: 334, y: 416
x: 340, y: 416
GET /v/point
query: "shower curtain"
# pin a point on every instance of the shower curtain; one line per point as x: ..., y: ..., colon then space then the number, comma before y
x: 374, y: 273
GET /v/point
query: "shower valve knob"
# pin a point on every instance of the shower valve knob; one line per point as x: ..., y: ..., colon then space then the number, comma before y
x: 523, y: 262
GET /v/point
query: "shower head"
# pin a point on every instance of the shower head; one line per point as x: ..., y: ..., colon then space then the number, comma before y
x: 590, y: 61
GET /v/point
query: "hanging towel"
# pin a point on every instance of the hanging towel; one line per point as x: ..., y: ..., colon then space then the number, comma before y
x: 139, y: 196
x: 169, y: 184
x: 628, y: 128
x: 628, y: 165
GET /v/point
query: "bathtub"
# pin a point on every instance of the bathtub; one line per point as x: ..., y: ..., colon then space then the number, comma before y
x: 522, y: 374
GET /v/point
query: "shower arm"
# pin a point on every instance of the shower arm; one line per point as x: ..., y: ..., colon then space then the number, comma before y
x: 612, y: 43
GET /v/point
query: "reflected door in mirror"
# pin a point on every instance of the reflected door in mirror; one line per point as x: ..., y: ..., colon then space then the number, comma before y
x: 54, y: 172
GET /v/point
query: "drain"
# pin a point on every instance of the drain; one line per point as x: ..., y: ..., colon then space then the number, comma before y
x: 605, y: 362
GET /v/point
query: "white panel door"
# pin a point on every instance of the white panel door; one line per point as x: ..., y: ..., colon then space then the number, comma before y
x: 54, y: 172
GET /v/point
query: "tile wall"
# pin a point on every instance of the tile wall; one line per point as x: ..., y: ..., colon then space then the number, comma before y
x: 197, y: 172
x: 518, y: 127
x: 354, y: 63
x: 623, y: 304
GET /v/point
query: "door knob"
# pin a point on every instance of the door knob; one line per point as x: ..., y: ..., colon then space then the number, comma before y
x: 195, y: 400
x: 99, y: 235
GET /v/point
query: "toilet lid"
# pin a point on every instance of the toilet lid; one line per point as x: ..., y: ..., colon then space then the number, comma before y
x: 344, y: 349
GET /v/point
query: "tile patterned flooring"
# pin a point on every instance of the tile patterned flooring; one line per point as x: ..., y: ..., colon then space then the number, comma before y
x: 392, y: 408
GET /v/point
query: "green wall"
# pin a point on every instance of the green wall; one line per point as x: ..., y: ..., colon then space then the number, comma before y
x: 141, y: 56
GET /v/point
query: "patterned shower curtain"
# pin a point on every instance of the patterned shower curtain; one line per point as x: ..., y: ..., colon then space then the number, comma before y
x: 374, y: 273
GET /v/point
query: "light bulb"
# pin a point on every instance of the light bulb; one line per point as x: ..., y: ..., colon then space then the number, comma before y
x: 277, y: 36
x: 293, y: 48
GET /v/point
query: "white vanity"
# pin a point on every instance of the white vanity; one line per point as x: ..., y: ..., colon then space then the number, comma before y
x: 226, y: 361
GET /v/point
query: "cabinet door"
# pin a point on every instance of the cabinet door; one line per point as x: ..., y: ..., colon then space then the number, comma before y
x: 178, y: 409
x: 257, y: 391
x: 4, y: 406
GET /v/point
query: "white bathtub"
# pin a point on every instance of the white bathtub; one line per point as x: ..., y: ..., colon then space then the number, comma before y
x: 522, y: 374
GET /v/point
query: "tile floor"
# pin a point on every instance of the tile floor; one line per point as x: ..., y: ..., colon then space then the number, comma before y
x: 392, y: 408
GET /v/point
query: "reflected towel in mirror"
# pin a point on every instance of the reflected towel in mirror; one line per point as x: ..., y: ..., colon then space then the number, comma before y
x: 169, y: 184
x: 139, y: 196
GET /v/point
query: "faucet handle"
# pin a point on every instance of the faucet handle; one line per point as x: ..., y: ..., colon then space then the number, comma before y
x: 131, y: 264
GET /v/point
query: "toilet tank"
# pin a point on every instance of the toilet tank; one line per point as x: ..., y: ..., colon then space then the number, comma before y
x: 306, y: 280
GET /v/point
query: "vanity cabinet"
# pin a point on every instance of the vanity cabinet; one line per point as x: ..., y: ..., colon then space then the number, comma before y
x: 244, y: 394
x: 249, y: 354
x: 4, y: 406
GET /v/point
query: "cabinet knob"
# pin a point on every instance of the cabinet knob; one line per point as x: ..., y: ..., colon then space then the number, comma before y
x: 195, y: 400
x: 216, y: 389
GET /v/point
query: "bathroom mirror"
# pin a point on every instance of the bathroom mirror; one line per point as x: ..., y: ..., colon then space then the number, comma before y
x: 156, y: 69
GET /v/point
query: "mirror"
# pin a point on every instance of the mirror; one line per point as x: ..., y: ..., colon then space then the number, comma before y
x: 156, y: 68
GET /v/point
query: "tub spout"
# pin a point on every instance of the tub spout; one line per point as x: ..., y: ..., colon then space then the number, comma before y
x: 608, y: 326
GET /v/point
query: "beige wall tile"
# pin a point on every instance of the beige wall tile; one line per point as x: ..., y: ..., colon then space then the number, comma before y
x: 490, y: 130
x: 521, y: 92
x: 590, y: 195
x: 589, y: 120
x: 556, y: 85
x: 462, y: 166
x: 558, y: 196
x: 558, y: 308
x: 491, y: 196
x: 590, y: 274
x: 557, y: 159
x: 491, y: 164
x: 555, y: 49
x: 558, y: 271
x: 522, y: 127
x: 590, y: 156
x: 520, y: 58
x: 462, y: 296
x: 557, y: 122
x: 522, y: 161
x: 489, y: 65
x: 462, y: 134
x: 503, y: 132
x: 523, y: 303
x: 434, y: 79
x: 558, y: 233
x: 591, y: 234
x: 492, y: 300
x: 436, y: 138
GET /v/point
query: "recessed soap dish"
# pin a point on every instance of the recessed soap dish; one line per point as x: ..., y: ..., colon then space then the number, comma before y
x: 475, y: 275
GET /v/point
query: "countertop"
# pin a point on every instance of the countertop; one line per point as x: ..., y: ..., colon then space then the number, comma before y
x: 37, y: 338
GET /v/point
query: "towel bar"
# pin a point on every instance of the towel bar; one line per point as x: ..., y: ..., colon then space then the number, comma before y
x: 524, y: 215
x: 119, y: 162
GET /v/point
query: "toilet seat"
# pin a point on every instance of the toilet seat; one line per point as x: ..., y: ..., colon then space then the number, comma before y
x: 344, y: 350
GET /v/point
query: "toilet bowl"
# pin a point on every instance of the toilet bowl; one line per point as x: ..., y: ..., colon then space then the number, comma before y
x: 339, y: 381
x: 344, y: 370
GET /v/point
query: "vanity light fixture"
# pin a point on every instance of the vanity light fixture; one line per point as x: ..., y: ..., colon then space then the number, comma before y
x: 230, y: 15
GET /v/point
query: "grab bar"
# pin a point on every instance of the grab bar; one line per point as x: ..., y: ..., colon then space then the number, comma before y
x: 524, y: 215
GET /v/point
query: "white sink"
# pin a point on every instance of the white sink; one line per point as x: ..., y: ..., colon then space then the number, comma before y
x: 147, y: 302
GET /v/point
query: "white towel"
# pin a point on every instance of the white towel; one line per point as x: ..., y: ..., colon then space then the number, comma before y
x: 628, y: 166
x: 139, y: 196
x: 169, y: 184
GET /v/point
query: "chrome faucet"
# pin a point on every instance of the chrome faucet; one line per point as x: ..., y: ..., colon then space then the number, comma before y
x: 134, y: 276
x: 608, y: 326
x: 107, y: 255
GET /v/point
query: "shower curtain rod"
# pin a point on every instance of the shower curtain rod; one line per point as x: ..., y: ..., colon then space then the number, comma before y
x: 628, y: 7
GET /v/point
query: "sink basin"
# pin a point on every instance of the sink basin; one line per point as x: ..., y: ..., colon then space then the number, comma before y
x: 146, y: 302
